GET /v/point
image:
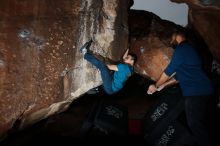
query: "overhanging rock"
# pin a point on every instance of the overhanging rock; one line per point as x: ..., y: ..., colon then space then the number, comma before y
x: 149, y: 39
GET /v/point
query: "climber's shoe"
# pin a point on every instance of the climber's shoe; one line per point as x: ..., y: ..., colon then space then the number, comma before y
x: 85, y: 47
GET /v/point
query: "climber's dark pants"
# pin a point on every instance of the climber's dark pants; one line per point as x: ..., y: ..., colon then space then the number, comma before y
x: 105, y: 73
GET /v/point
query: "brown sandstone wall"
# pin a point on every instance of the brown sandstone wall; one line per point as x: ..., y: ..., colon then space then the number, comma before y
x: 41, y: 69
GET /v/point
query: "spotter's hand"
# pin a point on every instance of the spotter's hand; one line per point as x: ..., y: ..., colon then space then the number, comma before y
x: 151, y: 89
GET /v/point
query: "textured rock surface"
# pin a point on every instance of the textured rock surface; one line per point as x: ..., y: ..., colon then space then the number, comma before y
x: 204, y: 18
x: 149, y: 39
x: 41, y: 69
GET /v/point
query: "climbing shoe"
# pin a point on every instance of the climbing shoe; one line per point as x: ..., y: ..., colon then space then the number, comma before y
x: 86, y: 46
x: 93, y: 91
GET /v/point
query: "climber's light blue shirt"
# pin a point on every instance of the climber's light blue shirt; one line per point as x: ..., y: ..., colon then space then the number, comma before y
x: 121, y: 76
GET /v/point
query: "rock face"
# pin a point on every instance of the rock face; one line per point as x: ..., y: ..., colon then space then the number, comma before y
x: 41, y: 69
x: 204, y: 18
x: 149, y: 39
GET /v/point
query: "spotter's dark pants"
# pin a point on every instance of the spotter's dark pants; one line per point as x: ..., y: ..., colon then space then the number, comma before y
x: 196, y: 108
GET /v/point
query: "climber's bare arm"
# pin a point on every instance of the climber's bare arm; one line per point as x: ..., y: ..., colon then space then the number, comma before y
x: 126, y: 54
x: 112, y: 67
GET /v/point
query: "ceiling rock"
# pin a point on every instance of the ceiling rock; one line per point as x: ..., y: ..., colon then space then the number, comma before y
x: 149, y: 39
x: 204, y: 18
x: 41, y: 68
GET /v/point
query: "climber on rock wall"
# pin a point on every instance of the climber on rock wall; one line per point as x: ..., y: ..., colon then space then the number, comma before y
x: 112, y: 82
